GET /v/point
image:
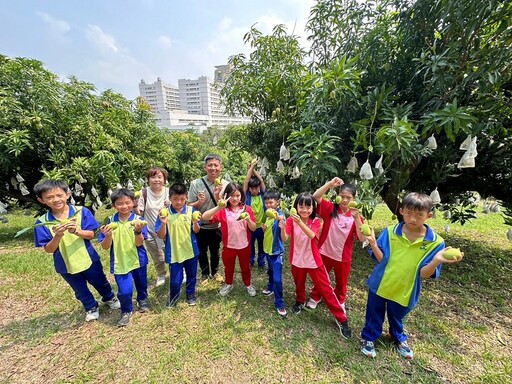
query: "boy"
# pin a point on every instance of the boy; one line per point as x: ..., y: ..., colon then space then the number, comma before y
x: 405, y: 253
x: 178, y: 229
x: 74, y: 256
x: 274, y: 249
x: 254, y: 189
x: 124, y: 235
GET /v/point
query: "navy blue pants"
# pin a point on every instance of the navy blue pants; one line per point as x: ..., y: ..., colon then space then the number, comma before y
x: 257, y: 236
x: 376, y: 309
x: 275, y: 281
x: 94, y: 276
x: 125, y: 283
x: 176, y: 271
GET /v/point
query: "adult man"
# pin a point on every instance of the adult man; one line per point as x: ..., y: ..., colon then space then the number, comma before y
x: 203, y: 195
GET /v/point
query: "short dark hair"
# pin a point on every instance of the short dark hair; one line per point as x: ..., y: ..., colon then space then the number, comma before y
x: 121, y: 192
x: 232, y: 187
x: 177, y: 189
x: 212, y: 156
x: 417, y: 202
x: 155, y: 170
x: 47, y: 185
x: 306, y: 199
x: 272, y: 195
x: 254, y: 182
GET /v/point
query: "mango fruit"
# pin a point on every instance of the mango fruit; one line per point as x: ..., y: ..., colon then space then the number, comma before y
x: 113, y: 226
x: 271, y: 214
x: 337, y: 200
x: 254, y: 161
x: 243, y: 216
x: 452, y: 253
x: 332, y: 95
x: 136, y: 194
x: 393, y: 217
x: 366, y: 230
x: 352, y: 204
x: 196, y: 215
x: 222, y: 203
x: 164, y: 212
x: 218, y: 181
x: 293, y: 211
x: 278, y: 111
x: 138, y: 221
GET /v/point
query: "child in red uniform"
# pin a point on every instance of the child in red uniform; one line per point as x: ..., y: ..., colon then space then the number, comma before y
x: 236, y: 235
x: 336, y: 242
x: 304, y: 228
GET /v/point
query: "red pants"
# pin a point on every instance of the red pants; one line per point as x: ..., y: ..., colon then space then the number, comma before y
x: 228, y: 258
x: 321, y: 281
x: 341, y: 274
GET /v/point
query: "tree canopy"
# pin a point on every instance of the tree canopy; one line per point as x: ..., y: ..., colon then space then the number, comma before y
x: 408, y: 81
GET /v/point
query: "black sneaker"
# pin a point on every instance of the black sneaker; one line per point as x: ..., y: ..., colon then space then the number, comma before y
x: 297, y: 307
x: 345, y: 330
x: 191, y: 300
x: 125, y: 319
x: 143, y: 305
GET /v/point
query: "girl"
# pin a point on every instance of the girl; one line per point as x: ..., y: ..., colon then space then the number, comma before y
x: 237, y: 222
x: 304, y: 228
x: 341, y: 225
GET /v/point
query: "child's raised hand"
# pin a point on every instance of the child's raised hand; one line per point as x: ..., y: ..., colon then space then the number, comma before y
x: 449, y: 255
x: 336, y: 182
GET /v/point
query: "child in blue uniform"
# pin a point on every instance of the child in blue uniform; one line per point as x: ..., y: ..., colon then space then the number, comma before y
x: 178, y: 229
x: 273, y: 246
x: 124, y: 235
x: 405, y: 254
x: 74, y: 256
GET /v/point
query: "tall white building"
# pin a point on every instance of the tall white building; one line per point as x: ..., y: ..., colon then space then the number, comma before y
x: 193, y: 102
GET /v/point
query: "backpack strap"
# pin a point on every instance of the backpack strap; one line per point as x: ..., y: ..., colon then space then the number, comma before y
x: 145, y: 197
x: 209, y: 191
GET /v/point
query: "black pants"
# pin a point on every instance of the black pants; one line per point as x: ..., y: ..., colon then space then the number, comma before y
x: 209, y: 239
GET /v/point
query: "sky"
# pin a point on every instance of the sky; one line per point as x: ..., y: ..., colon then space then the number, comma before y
x: 114, y: 44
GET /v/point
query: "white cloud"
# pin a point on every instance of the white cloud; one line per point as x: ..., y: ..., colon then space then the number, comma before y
x: 59, y: 26
x: 100, y: 39
x: 165, y: 41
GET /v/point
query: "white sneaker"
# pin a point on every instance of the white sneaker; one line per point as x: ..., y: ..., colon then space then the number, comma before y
x: 112, y: 303
x: 311, y: 304
x: 160, y: 280
x: 92, y: 314
x: 226, y: 289
x: 251, y: 290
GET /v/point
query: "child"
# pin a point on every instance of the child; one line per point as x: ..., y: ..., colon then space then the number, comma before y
x: 236, y: 235
x: 337, y: 239
x: 178, y: 229
x: 128, y: 257
x: 254, y: 188
x: 304, y: 229
x: 405, y: 253
x: 74, y: 256
x: 274, y: 249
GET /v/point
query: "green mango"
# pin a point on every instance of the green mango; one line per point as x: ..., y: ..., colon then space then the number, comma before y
x: 271, y: 214
x: 293, y: 211
x: 196, y: 215
x: 222, y: 203
x: 164, y: 212
x: 113, y: 226
x: 218, y: 181
x: 352, y: 204
x: 243, y: 216
x: 337, y: 200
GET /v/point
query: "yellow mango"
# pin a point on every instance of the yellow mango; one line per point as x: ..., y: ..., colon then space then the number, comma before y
x: 196, y: 215
x: 218, y: 181
x: 293, y: 211
x: 222, y: 203
x: 352, y: 204
x: 366, y: 230
x: 337, y: 200
x: 243, y: 216
x: 113, y: 226
x: 271, y: 214
x: 452, y: 253
x: 164, y: 212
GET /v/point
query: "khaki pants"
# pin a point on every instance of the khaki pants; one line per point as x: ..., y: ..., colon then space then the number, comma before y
x: 155, y: 248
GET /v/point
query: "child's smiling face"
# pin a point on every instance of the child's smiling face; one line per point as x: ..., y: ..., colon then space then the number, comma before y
x: 56, y: 199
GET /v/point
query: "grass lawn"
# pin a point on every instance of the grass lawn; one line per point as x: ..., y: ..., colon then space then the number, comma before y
x: 460, y: 331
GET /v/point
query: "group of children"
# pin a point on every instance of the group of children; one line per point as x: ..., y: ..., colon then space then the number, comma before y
x: 321, y: 235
